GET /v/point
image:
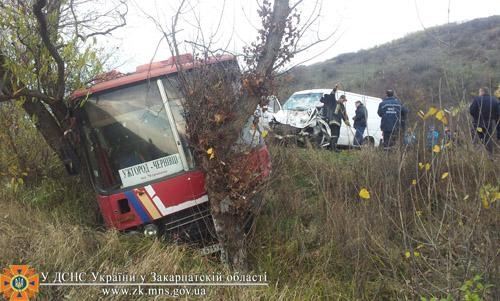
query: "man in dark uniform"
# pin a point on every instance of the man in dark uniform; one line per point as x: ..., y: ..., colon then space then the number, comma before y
x: 392, y: 112
x: 334, y: 111
x: 359, y: 123
x: 485, y: 112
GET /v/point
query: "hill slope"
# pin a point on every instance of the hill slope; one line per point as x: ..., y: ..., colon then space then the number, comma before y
x: 449, y: 61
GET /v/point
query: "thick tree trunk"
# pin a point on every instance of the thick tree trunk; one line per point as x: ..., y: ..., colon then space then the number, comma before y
x: 44, y: 120
x: 231, y: 234
x: 46, y: 124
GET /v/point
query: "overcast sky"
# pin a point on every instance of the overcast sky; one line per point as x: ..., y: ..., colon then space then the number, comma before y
x: 358, y: 24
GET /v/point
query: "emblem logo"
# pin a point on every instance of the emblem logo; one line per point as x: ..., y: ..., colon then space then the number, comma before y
x: 19, y: 283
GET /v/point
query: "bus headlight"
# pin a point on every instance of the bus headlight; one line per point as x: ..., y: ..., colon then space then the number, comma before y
x: 150, y: 230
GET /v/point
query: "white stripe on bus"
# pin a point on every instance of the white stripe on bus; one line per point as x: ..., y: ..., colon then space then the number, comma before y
x: 172, y: 209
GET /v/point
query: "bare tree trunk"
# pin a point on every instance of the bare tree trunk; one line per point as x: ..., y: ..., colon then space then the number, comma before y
x: 231, y: 234
x: 44, y: 120
x: 46, y: 124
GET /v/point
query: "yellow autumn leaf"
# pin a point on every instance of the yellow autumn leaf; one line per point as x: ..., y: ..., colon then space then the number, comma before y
x: 407, y: 254
x: 488, y: 195
x: 430, y: 112
x: 421, y: 114
x: 264, y: 134
x: 427, y: 166
x: 218, y: 118
x: 485, y: 202
x: 364, y: 193
x: 420, y: 246
x: 436, y: 149
x: 440, y: 115
x: 420, y: 165
x: 445, y: 175
x: 413, y: 182
x: 418, y: 213
x: 497, y: 196
x: 479, y: 130
x: 447, y: 144
x: 416, y: 253
x: 211, y: 153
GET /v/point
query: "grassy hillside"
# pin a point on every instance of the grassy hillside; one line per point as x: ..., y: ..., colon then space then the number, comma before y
x: 441, y: 64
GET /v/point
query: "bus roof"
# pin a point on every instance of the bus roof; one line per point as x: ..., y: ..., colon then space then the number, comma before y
x: 143, y: 72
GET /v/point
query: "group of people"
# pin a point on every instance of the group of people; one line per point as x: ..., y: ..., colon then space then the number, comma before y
x: 485, y: 111
x: 335, y: 111
x: 391, y: 110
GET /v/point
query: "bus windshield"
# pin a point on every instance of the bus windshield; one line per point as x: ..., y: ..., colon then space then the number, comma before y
x: 131, y: 133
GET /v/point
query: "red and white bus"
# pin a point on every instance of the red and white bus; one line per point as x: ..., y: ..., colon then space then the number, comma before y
x: 133, y: 136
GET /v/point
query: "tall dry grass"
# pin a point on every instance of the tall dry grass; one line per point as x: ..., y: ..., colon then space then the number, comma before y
x: 55, y: 240
x: 422, y: 233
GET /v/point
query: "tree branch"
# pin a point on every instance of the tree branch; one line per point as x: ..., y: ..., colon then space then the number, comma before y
x: 113, y: 28
x: 44, y: 33
x: 25, y: 93
x: 275, y: 36
x: 213, y: 52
